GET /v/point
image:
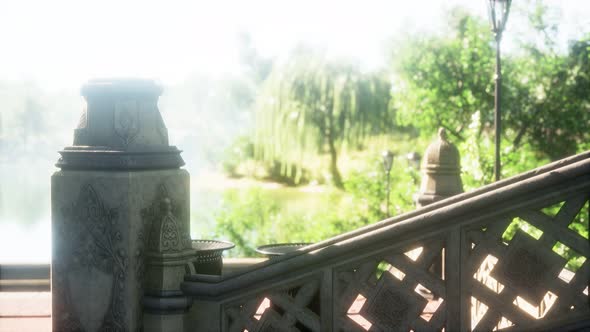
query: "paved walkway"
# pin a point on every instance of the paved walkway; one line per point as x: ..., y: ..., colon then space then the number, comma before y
x: 31, y: 312
x: 25, y: 312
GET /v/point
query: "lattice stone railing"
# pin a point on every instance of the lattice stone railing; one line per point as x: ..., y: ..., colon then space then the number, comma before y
x: 512, y: 260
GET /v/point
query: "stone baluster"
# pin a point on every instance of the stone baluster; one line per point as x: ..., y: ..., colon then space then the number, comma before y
x: 120, y: 215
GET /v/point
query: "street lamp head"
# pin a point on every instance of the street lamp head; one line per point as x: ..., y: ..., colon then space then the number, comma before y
x: 498, y: 11
x: 413, y: 159
x: 387, y: 160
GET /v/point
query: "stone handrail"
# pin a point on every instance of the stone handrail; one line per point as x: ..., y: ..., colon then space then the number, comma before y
x: 317, y: 287
x: 35, y: 277
x: 531, y: 179
x: 24, y: 277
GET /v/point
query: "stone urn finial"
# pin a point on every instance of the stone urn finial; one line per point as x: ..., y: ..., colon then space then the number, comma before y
x: 120, y: 128
x: 441, y: 171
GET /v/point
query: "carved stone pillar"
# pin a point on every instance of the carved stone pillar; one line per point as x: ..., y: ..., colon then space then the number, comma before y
x: 116, y: 182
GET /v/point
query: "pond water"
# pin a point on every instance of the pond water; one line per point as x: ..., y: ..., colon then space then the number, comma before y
x: 25, y: 229
x: 25, y: 213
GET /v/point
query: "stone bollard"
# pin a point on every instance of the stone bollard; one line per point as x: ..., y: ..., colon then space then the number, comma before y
x: 441, y: 178
x: 120, y: 204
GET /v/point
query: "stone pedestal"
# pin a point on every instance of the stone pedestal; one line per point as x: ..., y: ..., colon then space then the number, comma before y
x: 101, y: 223
x: 116, y: 185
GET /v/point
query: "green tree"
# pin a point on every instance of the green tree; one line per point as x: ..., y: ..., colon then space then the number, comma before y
x: 552, y: 101
x: 444, y: 80
x: 311, y: 105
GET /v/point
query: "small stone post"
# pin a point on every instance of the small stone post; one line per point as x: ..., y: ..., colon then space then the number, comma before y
x: 441, y: 171
x: 120, y: 203
x: 441, y: 178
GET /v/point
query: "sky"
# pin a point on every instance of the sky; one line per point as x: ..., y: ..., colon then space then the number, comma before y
x: 63, y: 43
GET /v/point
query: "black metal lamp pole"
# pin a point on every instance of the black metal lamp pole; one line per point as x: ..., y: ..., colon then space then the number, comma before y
x: 498, y: 11
x: 387, y: 163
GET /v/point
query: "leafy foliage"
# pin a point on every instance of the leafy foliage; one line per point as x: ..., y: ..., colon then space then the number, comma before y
x: 245, y: 218
x: 255, y: 217
x: 310, y: 105
x: 443, y: 81
x: 477, y: 157
x: 550, y: 93
x: 240, y: 150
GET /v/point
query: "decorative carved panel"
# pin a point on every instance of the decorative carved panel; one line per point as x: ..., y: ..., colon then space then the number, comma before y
x: 523, y: 281
x: 292, y: 308
x: 94, y: 265
x: 397, y: 290
x: 392, y: 307
x: 162, y: 230
x: 528, y: 267
x: 126, y: 121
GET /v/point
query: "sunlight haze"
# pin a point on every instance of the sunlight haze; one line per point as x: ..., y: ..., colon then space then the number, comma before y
x: 63, y: 43
x: 49, y: 49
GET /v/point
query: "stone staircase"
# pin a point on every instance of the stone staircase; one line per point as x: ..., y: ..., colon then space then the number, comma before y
x: 379, y: 278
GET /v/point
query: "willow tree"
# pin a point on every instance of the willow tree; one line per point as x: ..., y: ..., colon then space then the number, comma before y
x: 310, y: 105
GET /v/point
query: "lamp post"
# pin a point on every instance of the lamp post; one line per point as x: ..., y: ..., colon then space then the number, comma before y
x: 387, y: 163
x: 413, y: 159
x: 498, y: 11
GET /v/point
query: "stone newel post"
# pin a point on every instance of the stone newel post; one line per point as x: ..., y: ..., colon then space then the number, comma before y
x: 441, y: 178
x: 441, y: 171
x: 120, y: 203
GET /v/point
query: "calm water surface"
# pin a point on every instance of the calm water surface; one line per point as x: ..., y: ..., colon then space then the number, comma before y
x: 25, y: 210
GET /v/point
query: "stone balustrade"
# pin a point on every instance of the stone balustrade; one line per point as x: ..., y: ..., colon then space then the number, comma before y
x: 122, y: 258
